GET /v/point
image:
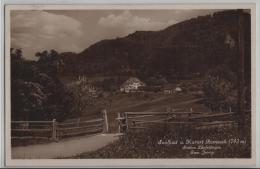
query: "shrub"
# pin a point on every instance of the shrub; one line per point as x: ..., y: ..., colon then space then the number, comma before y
x: 220, y: 89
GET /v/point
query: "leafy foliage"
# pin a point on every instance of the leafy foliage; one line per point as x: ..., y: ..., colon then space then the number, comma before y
x: 220, y: 88
x: 36, y: 93
x: 50, y: 62
x: 81, y: 94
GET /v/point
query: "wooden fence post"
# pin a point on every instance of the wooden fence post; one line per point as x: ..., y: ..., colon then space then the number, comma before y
x: 54, y: 129
x: 191, y: 111
x: 105, y: 124
x: 119, y: 122
x: 126, y: 121
x: 78, y: 120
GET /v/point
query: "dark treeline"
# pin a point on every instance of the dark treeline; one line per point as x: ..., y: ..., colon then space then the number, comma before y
x: 36, y: 92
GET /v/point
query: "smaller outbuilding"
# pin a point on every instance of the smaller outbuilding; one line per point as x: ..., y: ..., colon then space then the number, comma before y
x: 168, y: 89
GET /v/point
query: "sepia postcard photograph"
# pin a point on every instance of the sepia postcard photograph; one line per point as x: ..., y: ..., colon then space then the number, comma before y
x: 111, y: 85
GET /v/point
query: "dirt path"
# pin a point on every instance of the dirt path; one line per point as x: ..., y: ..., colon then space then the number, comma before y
x: 64, y: 148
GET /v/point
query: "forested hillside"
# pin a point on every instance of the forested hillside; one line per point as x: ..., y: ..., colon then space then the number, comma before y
x: 192, y: 46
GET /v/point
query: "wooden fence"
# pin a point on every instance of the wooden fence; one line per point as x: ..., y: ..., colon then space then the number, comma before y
x: 198, y: 120
x: 56, y: 130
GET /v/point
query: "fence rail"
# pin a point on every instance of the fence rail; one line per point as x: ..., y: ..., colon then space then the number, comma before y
x: 144, y: 120
x: 56, y: 130
x: 32, y: 121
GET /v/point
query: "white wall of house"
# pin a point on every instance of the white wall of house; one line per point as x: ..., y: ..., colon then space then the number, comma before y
x: 128, y: 88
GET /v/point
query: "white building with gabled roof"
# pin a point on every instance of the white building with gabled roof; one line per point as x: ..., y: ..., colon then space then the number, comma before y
x: 132, y: 84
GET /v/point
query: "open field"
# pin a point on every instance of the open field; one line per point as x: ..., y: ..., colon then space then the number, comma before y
x: 133, y: 103
x: 115, y: 102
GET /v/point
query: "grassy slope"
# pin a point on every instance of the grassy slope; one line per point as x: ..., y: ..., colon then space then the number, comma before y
x: 127, y: 103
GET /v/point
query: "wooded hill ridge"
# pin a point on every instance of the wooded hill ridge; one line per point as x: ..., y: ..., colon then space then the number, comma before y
x: 191, y: 46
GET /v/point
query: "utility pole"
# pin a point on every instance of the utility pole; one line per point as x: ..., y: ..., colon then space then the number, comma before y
x: 241, y: 70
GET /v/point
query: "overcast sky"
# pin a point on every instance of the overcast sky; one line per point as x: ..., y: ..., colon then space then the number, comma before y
x: 75, y: 30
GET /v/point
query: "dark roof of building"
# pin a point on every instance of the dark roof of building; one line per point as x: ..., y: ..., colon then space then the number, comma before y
x: 132, y: 80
